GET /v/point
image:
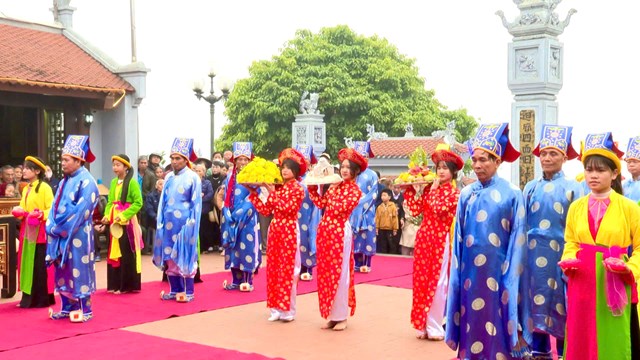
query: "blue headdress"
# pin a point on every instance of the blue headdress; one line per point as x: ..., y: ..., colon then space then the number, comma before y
x: 556, y: 137
x: 363, y: 148
x: 184, y: 148
x: 633, y: 149
x: 307, y: 152
x: 77, y: 146
x: 494, y: 139
x: 242, y: 149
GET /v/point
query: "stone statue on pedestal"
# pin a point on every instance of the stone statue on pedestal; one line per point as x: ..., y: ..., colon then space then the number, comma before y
x: 310, y: 105
x: 309, y: 127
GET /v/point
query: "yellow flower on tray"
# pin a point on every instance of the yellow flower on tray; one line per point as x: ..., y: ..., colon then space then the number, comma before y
x: 260, y: 170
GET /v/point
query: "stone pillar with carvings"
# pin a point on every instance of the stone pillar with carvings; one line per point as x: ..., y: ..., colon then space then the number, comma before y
x: 309, y: 127
x: 534, y: 76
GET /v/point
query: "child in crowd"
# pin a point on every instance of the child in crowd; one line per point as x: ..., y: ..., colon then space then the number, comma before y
x: 224, y: 169
x: 386, y: 224
x: 10, y: 191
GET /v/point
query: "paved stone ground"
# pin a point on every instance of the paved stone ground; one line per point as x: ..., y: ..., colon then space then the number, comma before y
x: 379, y: 330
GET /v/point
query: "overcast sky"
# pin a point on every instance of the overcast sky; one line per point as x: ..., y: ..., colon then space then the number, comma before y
x: 460, y: 48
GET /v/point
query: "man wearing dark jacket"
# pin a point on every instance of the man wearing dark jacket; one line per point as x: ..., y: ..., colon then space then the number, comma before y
x: 149, y: 179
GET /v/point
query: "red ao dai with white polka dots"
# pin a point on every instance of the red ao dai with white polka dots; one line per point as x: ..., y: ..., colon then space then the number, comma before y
x: 338, y: 202
x: 438, y: 208
x: 284, y: 204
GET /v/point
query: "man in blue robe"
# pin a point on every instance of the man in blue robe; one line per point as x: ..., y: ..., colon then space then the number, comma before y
x: 484, y: 317
x: 69, y: 232
x: 547, y: 201
x: 363, y: 217
x: 175, y: 248
x: 309, y: 218
x: 240, y: 226
x: 631, y: 187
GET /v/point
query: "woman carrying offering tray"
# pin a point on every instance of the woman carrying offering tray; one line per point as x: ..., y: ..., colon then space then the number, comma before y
x: 283, y: 254
x: 336, y: 292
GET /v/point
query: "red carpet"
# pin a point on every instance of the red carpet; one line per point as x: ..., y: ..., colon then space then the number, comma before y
x: 118, y: 311
x: 402, y: 282
x: 130, y: 345
x: 386, y: 267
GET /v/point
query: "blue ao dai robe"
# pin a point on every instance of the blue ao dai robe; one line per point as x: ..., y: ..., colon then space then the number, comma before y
x: 70, y: 235
x: 178, y: 222
x: 309, y: 218
x: 488, y: 257
x: 363, y: 218
x: 240, y: 229
x: 631, y: 189
x: 547, y: 203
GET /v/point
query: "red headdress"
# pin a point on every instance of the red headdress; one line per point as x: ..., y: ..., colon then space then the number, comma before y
x: 296, y: 156
x: 443, y: 153
x: 353, y: 155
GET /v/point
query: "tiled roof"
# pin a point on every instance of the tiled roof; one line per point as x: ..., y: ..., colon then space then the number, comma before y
x: 402, y: 147
x: 49, y: 59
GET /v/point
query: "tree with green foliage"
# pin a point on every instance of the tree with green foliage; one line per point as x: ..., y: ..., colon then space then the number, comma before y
x: 361, y: 80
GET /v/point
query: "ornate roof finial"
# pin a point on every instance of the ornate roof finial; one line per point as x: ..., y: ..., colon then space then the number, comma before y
x: 348, y: 141
x: 372, y: 134
x: 408, y: 130
x: 448, y: 134
x: 537, y: 19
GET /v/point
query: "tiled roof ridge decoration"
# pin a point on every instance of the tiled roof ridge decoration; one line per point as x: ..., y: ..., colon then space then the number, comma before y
x: 373, y: 134
x: 401, y: 147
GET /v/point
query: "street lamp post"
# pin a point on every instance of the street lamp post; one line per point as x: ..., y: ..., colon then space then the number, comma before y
x: 212, y: 99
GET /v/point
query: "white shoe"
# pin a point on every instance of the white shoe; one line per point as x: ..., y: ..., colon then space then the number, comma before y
x: 287, y: 318
x: 274, y: 317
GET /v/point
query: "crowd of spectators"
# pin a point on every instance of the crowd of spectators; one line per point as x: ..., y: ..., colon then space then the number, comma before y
x: 12, y: 183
